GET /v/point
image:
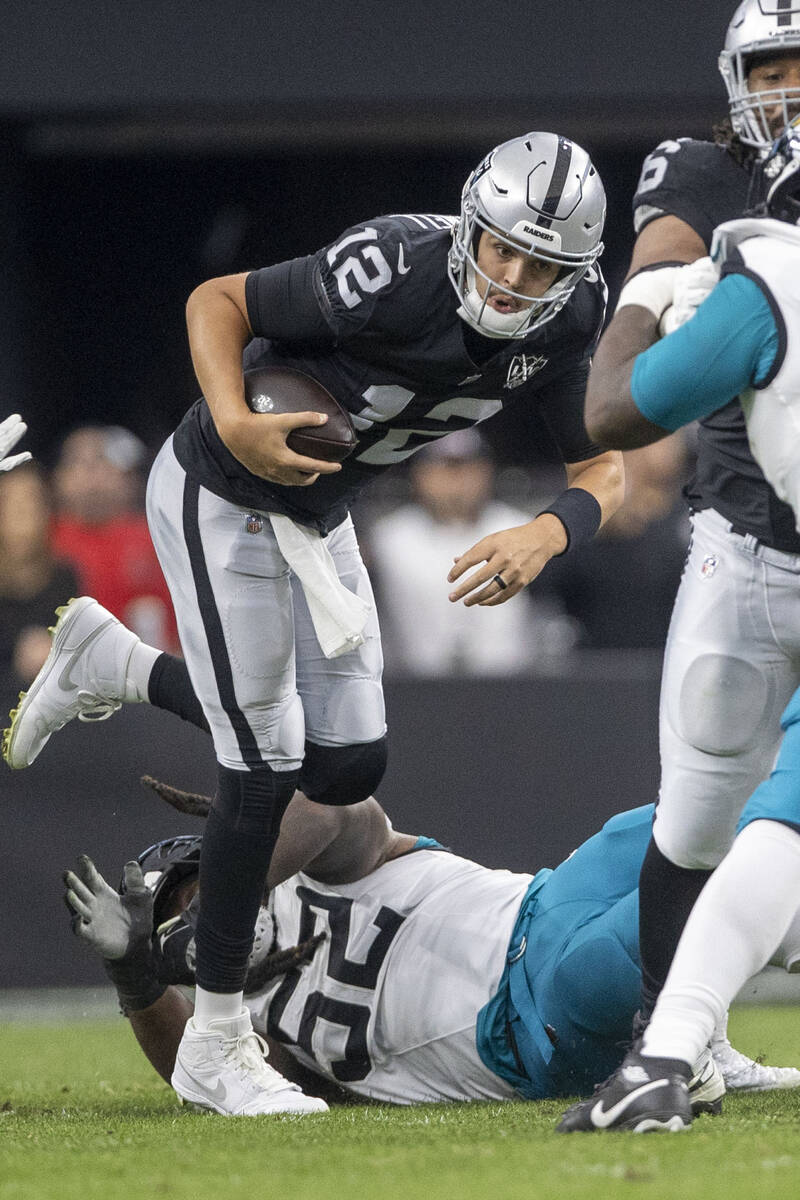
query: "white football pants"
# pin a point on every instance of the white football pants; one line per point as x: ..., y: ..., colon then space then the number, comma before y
x: 246, y: 633
x: 732, y: 662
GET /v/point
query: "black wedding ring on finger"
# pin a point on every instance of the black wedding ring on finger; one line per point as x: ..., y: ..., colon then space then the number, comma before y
x: 501, y: 583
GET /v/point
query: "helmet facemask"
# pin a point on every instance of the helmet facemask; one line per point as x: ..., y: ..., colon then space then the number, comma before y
x: 781, y: 170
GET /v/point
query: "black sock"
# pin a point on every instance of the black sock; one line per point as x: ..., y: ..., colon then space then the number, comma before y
x: 666, y: 897
x: 170, y: 688
x: 240, y: 835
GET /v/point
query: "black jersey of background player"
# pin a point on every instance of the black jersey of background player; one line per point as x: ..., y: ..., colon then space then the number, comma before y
x: 374, y: 318
x: 704, y: 185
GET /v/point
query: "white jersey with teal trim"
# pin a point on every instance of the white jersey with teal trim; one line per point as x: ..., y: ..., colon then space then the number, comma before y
x: 770, y: 250
x: 389, y: 1002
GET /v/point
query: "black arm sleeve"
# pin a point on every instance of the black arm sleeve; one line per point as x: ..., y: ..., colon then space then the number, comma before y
x: 282, y: 302
x: 560, y: 406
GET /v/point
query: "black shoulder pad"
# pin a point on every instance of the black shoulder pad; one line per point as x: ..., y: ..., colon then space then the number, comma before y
x: 699, y: 182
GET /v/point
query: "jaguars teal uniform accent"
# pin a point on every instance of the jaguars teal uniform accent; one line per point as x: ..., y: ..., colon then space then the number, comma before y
x: 427, y: 843
x: 573, y: 968
x: 778, y: 798
x: 729, y: 345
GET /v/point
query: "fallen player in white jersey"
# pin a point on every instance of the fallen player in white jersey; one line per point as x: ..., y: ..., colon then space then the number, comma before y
x: 396, y: 969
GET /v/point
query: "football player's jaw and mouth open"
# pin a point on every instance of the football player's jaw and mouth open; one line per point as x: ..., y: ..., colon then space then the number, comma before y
x: 513, y: 270
x: 782, y: 71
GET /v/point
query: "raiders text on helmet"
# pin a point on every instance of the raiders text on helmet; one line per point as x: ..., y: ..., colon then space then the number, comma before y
x: 539, y: 193
x: 759, y: 28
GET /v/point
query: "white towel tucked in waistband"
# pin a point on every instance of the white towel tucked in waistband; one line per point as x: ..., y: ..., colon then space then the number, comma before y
x: 339, y: 615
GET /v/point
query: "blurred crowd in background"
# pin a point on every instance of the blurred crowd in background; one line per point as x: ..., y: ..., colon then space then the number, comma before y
x: 79, y: 528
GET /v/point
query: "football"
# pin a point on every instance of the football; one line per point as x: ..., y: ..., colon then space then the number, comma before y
x: 286, y: 390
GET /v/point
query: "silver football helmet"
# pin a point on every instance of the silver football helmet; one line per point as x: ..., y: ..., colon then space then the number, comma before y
x: 759, y: 27
x: 539, y: 193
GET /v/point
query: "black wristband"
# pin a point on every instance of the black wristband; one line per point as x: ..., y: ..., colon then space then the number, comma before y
x: 579, y: 513
x: 135, y: 978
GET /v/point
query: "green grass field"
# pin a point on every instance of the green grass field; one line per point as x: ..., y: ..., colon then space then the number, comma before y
x: 83, y: 1117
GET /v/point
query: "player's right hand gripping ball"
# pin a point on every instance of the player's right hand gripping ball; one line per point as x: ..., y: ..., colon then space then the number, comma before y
x: 285, y: 390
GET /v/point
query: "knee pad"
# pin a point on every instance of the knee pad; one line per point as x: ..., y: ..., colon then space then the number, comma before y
x: 342, y: 774
x: 721, y: 704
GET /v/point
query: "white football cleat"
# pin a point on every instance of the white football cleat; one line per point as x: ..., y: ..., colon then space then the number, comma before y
x: 223, y: 1069
x: 83, y: 676
x: 743, y: 1074
x: 706, y: 1086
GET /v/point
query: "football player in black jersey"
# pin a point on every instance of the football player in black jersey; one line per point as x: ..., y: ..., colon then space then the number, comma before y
x: 419, y: 325
x: 733, y: 650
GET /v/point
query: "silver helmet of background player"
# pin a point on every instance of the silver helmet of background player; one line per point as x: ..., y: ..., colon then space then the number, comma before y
x: 539, y: 193
x: 759, y: 28
x: 782, y: 173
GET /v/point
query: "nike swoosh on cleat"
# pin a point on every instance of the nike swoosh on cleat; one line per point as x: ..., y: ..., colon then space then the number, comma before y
x: 601, y: 1118
x: 218, y: 1092
x: 65, y: 679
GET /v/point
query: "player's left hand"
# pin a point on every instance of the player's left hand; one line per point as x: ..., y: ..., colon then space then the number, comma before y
x: 510, y: 558
x: 11, y: 430
x: 112, y: 924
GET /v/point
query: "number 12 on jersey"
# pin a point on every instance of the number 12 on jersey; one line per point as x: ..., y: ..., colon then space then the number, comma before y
x: 362, y: 272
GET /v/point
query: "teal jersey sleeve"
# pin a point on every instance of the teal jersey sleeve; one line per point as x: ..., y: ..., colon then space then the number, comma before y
x: 730, y: 344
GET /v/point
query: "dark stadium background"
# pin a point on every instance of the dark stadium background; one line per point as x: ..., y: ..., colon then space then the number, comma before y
x: 150, y: 146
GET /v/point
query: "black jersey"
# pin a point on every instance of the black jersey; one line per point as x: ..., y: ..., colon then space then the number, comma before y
x: 704, y: 185
x: 374, y: 318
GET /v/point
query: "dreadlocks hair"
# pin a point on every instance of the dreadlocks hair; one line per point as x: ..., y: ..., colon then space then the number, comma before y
x: 191, y: 804
x: 723, y: 134
x: 281, y: 962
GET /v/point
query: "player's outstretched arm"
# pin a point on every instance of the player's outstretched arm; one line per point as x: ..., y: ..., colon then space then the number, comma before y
x: 219, y: 329
x: 119, y: 928
x: 666, y: 239
x: 516, y: 556
x: 334, y: 844
x: 612, y: 418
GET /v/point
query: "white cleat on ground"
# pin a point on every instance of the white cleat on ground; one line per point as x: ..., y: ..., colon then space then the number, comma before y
x: 706, y: 1087
x: 224, y: 1069
x: 743, y: 1074
x: 83, y: 676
